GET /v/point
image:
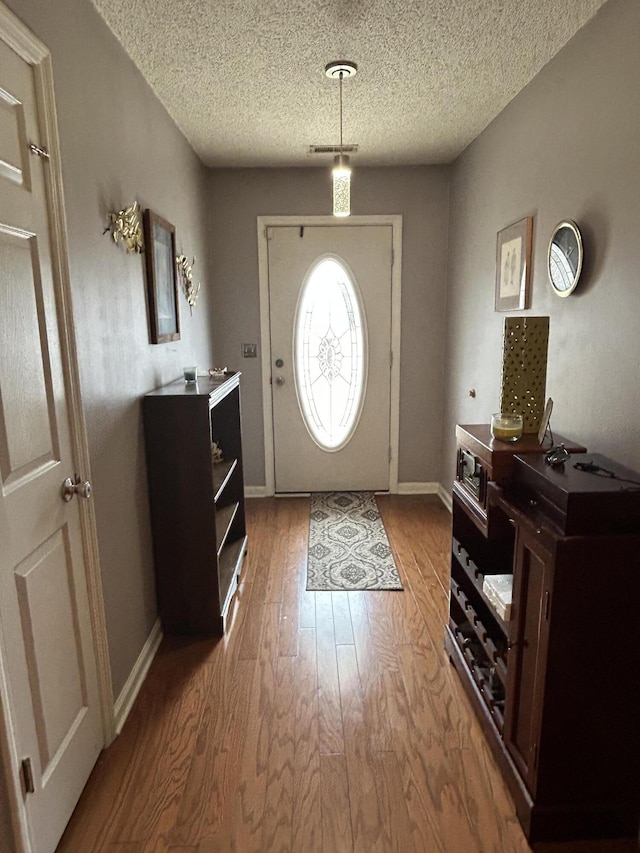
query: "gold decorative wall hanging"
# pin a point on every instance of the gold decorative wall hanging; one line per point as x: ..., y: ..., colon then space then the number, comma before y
x: 185, y: 274
x: 524, y: 369
x: 126, y: 227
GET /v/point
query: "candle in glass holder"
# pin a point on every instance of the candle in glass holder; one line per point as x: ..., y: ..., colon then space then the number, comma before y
x: 190, y: 375
x: 506, y: 426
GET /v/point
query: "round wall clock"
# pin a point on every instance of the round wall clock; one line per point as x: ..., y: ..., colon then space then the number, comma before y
x: 564, y: 261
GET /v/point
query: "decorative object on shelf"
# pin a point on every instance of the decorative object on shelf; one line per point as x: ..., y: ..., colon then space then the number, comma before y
x: 506, y: 426
x: 557, y: 456
x: 524, y: 368
x: 216, y: 452
x: 126, y: 227
x: 513, y: 266
x: 564, y: 258
x: 217, y: 372
x: 544, y: 422
x: 185, y: 274
x: 341, y: 169
x: 190, y: 375
x: 499, y: 591
x: 160, y: 256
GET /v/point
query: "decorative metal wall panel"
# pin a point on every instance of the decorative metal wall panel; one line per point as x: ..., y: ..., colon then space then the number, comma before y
x: 524, y: 368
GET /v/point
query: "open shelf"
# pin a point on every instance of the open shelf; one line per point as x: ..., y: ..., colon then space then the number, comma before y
x: 222, y: 472
x: 494, y: 652
x: 224, y: 520
x: 490, y: 688
x: 476, y: 576
x: 229, y: 564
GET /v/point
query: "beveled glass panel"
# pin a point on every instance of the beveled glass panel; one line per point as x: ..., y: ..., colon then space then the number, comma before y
x: 330, y: 353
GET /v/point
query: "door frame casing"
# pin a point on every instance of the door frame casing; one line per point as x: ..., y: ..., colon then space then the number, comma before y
x: 28, y: 47
x: 265, y: 222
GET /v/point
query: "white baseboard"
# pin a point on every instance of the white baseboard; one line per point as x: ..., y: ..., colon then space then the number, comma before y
x: 418, y: 488
x: 403, y: 489
x: 129, y: 692
x: 426, y: 489
x: 445, y: 497
x: 255, y: 492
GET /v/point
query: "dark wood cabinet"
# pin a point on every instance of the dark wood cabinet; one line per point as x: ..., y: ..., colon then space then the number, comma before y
x: 197, y: 500
x: 527, y: 645
x: 555, y: 685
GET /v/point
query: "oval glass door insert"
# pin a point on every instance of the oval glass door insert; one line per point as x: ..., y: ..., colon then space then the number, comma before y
x: 330, y: 353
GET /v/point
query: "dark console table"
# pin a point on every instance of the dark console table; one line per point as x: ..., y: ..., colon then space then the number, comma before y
x: 555, y: 686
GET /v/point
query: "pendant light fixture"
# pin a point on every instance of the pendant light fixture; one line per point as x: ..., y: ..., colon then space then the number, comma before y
x: 341, y: 168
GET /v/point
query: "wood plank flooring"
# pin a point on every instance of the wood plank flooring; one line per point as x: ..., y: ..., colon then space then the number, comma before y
x: 322, y: 721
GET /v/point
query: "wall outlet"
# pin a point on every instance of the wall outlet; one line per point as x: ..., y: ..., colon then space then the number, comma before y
x: 249, y: 350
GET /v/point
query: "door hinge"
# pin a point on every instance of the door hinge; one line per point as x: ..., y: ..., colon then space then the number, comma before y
x: 41, y: 152
x: 547, y: 605
x: 391, y: 358
x: 27, y: 776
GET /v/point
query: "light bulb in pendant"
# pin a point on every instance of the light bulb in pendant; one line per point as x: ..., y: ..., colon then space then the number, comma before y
x: 341, y: 186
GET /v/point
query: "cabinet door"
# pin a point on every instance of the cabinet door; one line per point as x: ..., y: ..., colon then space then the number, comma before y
x: 528, y: 640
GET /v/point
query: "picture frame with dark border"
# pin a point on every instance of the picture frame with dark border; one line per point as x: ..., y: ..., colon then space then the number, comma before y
x: 513, y: 266
x: 162, y: 284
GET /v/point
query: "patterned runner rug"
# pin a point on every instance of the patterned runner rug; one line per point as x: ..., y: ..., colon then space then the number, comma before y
x: 348, y: 545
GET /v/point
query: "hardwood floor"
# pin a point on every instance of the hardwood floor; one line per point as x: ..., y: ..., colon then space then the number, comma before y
x: 320, y: 722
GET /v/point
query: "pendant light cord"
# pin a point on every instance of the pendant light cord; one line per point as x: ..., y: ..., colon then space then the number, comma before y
x: 341, y: 76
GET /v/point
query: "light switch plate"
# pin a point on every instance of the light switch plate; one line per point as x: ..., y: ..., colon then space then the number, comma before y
x: 249, y: 350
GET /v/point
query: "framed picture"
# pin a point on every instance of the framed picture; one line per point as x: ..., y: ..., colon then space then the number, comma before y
x: 160, y: 257
x: 513, y: 266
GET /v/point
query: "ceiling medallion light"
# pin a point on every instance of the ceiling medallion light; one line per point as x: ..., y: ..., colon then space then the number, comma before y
x: 341, y: 169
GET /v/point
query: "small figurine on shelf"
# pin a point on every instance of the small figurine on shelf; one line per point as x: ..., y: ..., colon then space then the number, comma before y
x: 217, y: 372
x: 216, y: 453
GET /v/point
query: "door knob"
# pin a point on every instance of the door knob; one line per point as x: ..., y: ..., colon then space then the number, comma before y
x: 75, y: 486
x: 279, y: 380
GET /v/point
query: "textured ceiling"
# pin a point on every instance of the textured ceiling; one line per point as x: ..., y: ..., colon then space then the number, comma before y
x: 244, y: 79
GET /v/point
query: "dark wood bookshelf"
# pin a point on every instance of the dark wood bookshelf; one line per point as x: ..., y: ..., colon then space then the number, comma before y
x: 197, y: 503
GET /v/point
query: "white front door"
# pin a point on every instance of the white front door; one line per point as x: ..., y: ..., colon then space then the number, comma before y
x: 330, y: 325
x: 47, y: 660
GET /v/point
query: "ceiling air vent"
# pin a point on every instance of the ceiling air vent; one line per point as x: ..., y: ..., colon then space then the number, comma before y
x: 332, y: 149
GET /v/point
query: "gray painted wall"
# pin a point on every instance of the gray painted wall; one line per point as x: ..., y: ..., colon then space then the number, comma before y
x: 118, y: 144
x: 566, y: 147
x: 421, y: 195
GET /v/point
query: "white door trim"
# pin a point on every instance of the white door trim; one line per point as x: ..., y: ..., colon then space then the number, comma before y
x: 20, y: 39
x: 395, y: 221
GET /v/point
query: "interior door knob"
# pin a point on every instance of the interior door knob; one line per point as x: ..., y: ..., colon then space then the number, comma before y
x: 279, y: 380
x: 75, y: 486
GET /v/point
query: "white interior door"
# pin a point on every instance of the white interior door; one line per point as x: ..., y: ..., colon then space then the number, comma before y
x: 47, y: 662
x: 330, y: 326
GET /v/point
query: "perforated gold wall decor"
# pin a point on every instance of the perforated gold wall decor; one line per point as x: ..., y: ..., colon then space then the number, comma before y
x: 524, y: 368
